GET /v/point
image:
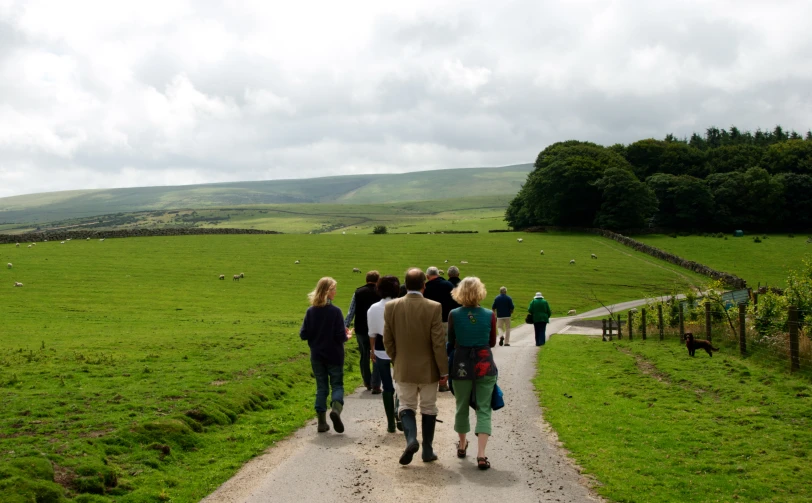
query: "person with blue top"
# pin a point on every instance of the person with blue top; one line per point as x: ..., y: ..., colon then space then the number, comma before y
x: 503, y: 305
x: 472, y: 334
x: 540, y: 310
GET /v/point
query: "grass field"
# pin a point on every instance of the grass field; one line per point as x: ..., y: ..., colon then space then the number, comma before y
x: 130, y: 366
x: 654, y: 425
x: 767, y: 262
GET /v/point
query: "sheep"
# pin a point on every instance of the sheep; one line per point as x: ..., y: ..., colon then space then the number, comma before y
x: 101, y: 240
x: 242, y: 275
x: 61, y: 242
x: 9, y: 265
x: 442, y: 272
x: 222, y: 276
x: 594, y: 256
x: 87, y: 239
x: 17, y: 284
x: 572, y: 261
x: 463, y: 261
x: 67, y: 239
x: 520, y: 240
x: 17, y: 245
x: 33, y: 244
x: 446, y: 261
x: 296, y: 262
x: 571, y: 312
x: 30, y: 246
x: 236, y: 277
x: 355, y: 269
x: 343, y: 233
x: 542, y: 252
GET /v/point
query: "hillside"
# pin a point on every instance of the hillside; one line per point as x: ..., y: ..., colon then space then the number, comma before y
x: 353, y: 189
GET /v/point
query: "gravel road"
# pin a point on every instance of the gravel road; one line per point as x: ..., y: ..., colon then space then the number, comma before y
x: 362, y: 463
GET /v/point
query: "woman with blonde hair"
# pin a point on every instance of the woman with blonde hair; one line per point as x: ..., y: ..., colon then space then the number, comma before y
x: 323, y: 329
x: 472, y: 334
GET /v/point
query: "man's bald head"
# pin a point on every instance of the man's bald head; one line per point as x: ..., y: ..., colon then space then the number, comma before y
x: 415, y: 279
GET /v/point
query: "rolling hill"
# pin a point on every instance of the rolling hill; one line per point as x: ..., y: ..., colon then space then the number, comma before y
x: 352, y: 189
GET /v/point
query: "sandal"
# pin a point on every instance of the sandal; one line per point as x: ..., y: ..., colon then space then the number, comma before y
x: 461, y: 453
x: 483, y: 463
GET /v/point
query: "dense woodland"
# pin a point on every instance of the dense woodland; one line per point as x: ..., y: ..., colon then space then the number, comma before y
x: 724, y: 180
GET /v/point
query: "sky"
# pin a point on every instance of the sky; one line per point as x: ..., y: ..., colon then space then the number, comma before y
x: 100, y: 94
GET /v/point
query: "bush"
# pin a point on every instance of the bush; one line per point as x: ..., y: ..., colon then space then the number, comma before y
x: 757, y: 239
x: 380, y: 229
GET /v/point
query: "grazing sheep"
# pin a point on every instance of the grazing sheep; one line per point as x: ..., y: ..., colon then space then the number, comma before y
x: 87, y: 239
x: 236, y: 277
x: 594, y: 256
x: 17, y: 284
x: 9, y: 265
x: 102, y: 239
x: 242, y: 275
x: 17, y: 245
x: 61, y: 242
x: 30, y: 246
x: 67, y: 239
x: 463, y: 261
x: 222, y: 276
x: 520, y: 240
x: 442, y: 272
x: 446, y: 261
x: 542, y: 252
x: 571, y: 312
x: 296, y: 262
x: 355, y: 269
x: 572, y: 261
x: 34, y: 244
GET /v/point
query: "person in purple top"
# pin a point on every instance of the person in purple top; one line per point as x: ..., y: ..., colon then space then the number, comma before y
x: 323, y: 329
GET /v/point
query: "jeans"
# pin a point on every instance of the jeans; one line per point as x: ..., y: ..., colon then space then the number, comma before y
x: 384, y: 372
x: 541, y: 333
x: 324, y: 372
x: 371, y: 377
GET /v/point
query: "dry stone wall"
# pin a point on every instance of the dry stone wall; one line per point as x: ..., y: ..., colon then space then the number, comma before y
x: 728, y: 279
x: 121, y: 233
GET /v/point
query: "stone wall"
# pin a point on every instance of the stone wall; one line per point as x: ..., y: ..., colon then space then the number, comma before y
x: 121, y: 233
x: 728, y: 279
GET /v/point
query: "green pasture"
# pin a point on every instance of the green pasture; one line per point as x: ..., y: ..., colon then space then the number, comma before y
x: 129, y: 365
x: 767, y: 262
x: 653, y: 425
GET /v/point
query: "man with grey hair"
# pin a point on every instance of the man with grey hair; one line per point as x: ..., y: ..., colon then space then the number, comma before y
x: 439, y: 290
x: 503, y: 307
x: 454, y: 275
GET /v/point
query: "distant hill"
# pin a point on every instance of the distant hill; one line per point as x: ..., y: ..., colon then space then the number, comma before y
x: 352, y: 189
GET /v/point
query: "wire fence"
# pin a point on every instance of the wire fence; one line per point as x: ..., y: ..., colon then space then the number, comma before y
x: 771, y: 333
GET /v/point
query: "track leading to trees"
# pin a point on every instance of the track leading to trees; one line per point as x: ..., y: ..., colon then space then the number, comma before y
x: 362, y: 463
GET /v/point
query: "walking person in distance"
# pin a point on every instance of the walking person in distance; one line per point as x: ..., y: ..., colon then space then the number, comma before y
x: 503, y: 306
x: 472, y: 332
x: 540, y: 310
x: 362, y: 299
x: 387, y: 288
x: 414, y: 339
x: 323, y: 329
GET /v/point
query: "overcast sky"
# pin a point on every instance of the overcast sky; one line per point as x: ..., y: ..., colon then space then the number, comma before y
x: 160, y: 92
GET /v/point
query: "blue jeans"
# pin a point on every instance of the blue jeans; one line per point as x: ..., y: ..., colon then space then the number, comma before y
x: 541, y: 333
x: 383, y: 368
x: 322, y: 372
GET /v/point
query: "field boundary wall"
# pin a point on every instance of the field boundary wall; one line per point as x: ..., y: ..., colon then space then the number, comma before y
x: 726, y: 278
x: 121, y: 233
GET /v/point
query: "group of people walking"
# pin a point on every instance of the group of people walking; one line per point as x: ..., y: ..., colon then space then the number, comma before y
x: 433, y: 334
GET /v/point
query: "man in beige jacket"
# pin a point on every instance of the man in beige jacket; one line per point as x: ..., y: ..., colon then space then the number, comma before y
x: 414, y: 339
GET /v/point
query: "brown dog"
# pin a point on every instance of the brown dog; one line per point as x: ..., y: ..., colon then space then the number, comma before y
x: 694, y: 344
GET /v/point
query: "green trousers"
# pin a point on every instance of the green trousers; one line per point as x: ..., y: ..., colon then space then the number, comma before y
x: 462, y: 393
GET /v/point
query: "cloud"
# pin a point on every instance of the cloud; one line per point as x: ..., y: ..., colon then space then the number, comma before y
x: 102, y: 94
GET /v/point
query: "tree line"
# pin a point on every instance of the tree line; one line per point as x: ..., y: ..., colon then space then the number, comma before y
x: 722, y: 180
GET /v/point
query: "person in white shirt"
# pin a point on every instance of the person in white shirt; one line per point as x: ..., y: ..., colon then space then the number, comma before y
x: 388, y: 288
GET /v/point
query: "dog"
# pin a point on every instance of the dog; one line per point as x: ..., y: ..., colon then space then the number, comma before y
x: 694, y: 344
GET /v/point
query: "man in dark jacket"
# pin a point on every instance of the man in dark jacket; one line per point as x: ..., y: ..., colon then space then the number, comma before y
x: 503, y: 305
x: 454, y: 275
x: 439, y: 290
x: 362, y: 299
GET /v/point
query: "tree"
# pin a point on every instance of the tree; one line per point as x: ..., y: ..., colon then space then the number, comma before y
x: 729, y: 158
x: 649, y: 157
x: 380, y: 229
x: 685, y: 202
x: 792, y: 156
x: 797, y: 196
x: 750, y: 199
x: 626, y: 202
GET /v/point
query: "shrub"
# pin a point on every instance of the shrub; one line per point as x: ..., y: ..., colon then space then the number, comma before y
x: 380, y: 229
x: 757, y: 239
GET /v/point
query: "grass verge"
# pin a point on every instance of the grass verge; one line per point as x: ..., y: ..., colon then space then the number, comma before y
x: 654, y: 425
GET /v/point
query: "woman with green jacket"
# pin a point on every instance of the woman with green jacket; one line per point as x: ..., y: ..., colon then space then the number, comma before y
x: 540, y: 310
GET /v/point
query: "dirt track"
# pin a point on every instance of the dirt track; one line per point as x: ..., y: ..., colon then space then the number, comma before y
x: 362, y: 464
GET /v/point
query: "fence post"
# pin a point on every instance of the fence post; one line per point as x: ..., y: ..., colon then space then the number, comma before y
x: 681, y: 324
x: 630, y: 325
x: 660, y: 319
x: 707, y: 320
x: 610, y: 328
x: 603, y: 333
x: 794, y: 349
x: 742, y: 340
x: 755, y: 302
x: 643, y: 322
